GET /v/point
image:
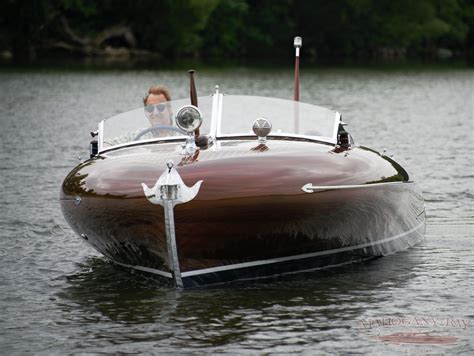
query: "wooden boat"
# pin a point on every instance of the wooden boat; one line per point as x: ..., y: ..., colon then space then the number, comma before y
x: 263, y: 187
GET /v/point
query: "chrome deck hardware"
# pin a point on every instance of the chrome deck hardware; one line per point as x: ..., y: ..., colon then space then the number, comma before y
x: 168, y: 191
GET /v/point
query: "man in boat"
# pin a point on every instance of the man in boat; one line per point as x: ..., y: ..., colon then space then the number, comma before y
x: 157, y: 110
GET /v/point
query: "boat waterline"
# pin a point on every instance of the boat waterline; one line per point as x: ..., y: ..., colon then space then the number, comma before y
x: 275, y: 260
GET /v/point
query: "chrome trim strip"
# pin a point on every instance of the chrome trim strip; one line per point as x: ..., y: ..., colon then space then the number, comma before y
x: 309, y: 188
x: 336, y: 127
x: 215, y: 100
x: 297, y: 257
x: 146, y: 269
x: 171, y: 242
x: 101, y: 137
x: 178, y: 139
x: 295, y: 272
x: 323, y: 139
x: 219, y: 115
x: 162, y: 140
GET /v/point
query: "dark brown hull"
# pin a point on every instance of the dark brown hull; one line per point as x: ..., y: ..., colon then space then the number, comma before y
x: 251, y: 217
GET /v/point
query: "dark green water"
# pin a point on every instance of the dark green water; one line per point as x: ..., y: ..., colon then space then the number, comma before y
x: 59, y: 296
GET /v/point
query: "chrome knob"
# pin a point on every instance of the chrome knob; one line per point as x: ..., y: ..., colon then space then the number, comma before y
x: 262, y: 127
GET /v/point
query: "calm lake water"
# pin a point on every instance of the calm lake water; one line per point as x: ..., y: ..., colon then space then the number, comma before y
x: 59, y: 296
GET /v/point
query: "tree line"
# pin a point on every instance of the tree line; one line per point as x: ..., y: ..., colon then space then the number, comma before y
x: 229, y: 29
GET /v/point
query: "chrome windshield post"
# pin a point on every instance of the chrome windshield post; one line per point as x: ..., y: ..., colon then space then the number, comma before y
x: 336, y: 127
x: 220, y: 100
x: 214, y: 118
x: 100, y: 138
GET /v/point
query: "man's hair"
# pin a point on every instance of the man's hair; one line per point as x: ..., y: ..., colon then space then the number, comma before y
x: 157, y: 90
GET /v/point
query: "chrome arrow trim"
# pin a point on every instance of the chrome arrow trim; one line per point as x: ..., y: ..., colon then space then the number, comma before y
x: 309, y: 188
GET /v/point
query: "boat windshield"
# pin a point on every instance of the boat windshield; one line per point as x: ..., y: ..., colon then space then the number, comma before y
x: 223, y: 116
x: 150, y: 123
x: 287, y: 117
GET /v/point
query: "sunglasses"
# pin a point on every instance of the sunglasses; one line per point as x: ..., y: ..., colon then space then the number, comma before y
x: 151, y: 108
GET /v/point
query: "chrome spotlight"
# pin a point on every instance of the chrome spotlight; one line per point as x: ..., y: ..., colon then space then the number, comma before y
x: 189, y: 118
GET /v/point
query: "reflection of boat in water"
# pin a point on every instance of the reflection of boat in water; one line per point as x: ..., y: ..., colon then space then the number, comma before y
x: 264, y: 186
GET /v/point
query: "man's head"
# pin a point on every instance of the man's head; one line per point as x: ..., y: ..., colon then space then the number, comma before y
x: 157, y: 110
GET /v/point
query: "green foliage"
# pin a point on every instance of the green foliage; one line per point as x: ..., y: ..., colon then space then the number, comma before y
x: 269, y: 28
x: 170, y: 26
x: 28, y: 23
x: 458, y: 17
x: 248, y: 28
x: 223, y: 35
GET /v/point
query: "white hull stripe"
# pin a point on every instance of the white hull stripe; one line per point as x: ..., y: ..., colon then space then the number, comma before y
x: 297, y: 257
x: 274, y: 260
x: 296, y: 272
x: 147, y: 269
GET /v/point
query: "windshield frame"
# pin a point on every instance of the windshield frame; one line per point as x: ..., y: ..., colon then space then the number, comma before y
x: 215, y: 131
x: 103, y: 131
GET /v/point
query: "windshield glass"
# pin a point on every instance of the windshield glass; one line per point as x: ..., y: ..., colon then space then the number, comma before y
x: 236, y: 118
x: 151, y: 122
x: 287, y: 117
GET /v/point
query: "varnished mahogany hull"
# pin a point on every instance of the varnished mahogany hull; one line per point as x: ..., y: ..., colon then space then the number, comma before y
x: 251, y: 217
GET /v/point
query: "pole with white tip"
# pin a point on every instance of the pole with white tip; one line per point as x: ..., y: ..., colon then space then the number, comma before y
x: 298, y: 42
